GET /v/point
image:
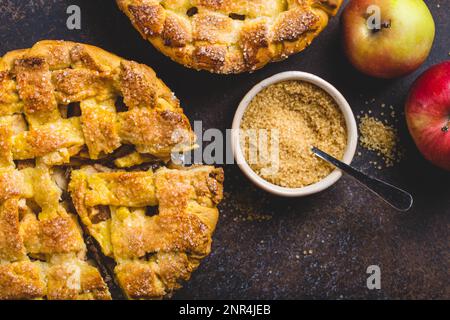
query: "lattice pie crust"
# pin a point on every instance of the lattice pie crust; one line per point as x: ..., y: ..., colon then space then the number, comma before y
x: 229, y: 36
x: 68, y: 146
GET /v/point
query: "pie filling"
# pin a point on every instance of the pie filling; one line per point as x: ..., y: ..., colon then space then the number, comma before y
x: 85, y: 139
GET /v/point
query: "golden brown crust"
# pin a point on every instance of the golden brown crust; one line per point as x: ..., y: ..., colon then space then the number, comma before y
x: 150, y: 130
x: 35, y: 225
x: 21, y: 280
x: 75, y: 281
x: 139, y: 280
x: 36, y: 90
x: 51, y: 236
x: 11, y: 246
x: 176, y: 237
x: 11, y: 184
x: 60, y: 102
x: 99, y: 124
x: 55, y: 73
x: 220, y: 35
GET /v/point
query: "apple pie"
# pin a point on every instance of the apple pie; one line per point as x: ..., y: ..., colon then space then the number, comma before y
x: 229, y: 36
x: 85, y: 145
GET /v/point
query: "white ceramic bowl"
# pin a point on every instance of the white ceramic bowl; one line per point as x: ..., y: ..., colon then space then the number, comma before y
x: 352, y: 135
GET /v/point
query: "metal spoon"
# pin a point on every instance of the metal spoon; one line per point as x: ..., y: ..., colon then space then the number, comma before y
x: 395, y: 197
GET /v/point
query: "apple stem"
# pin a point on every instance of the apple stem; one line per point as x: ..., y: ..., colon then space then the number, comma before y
x: 385, y: 24
x: 446, y: 127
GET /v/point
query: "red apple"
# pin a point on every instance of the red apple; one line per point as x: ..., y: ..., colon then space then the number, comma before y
x: 387, y: 38
x: 428, y: 114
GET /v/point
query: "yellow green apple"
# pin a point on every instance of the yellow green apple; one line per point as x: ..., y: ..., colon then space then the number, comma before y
x: 387, y: 38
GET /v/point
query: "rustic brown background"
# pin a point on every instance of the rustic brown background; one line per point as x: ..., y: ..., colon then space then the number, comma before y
x: 346, y: 227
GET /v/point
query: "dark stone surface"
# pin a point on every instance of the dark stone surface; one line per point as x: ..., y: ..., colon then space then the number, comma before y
x: 347, y: 228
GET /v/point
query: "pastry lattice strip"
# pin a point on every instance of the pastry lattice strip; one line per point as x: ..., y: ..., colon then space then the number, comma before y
x: 42, y: 253
x: 40, y: 90
x: 229, y: 36
x: 153, y: 253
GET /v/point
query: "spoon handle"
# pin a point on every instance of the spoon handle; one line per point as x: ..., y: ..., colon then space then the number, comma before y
x: 395, y: 197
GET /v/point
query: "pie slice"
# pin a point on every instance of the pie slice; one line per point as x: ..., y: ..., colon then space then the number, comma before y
x: 229, y: 36
x: 42, y: 253
x: 82, y: 133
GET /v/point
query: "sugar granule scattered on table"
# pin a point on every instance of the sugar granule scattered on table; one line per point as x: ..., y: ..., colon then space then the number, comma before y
x: 381, y: 138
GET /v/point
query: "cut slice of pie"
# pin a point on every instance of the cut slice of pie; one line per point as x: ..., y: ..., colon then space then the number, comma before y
x: 73, y: 114
x: 229, y: 36
x: 42, y: 253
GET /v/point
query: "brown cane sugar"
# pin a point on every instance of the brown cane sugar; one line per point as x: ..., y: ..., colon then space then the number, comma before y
x: 304, y: 115
x: 381, y: 138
